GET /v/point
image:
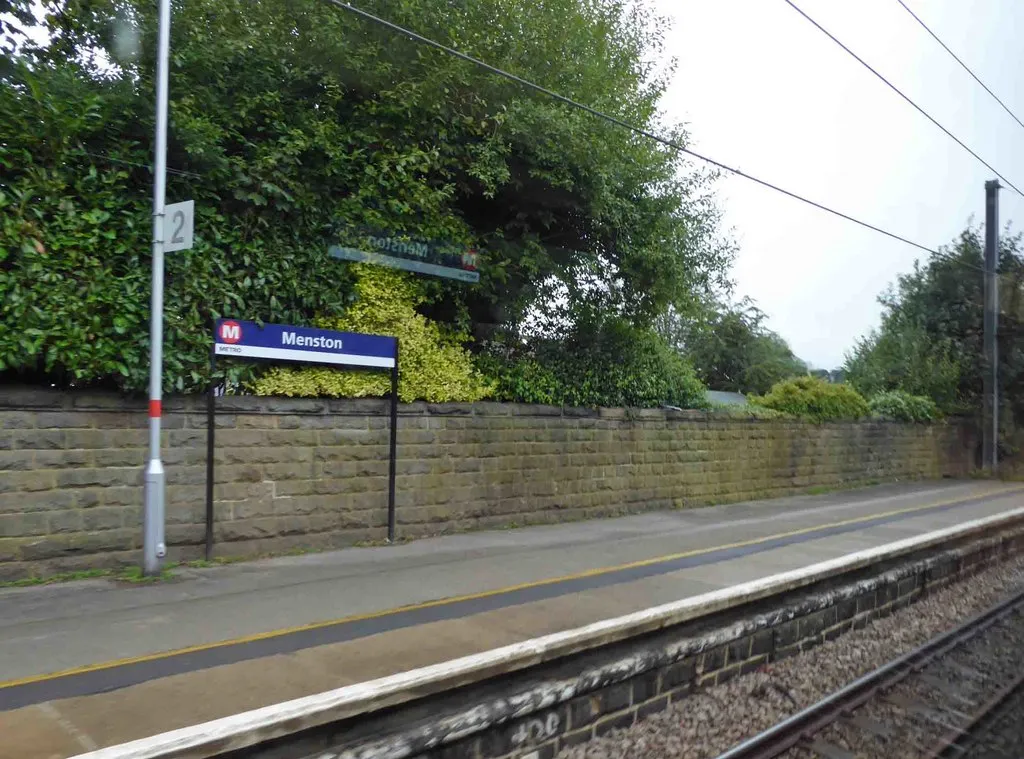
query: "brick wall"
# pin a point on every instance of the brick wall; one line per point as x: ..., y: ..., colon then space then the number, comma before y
x: 295, y: 474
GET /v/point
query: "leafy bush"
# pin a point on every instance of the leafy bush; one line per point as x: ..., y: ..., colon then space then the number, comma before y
x: 816, y: 400
x: 609, y: 363
x: 434, y: 366
x: 732, y: 411
x: 291, y: 131
x: 900, y: 406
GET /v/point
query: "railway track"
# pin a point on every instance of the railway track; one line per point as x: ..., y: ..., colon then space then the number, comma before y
x: 958, y: 696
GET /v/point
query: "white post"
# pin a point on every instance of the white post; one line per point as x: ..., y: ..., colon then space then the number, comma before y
x: 153, y: 517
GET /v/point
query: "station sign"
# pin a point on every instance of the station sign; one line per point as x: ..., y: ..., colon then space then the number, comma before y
x: 419, y: 256
x: 245, y: 339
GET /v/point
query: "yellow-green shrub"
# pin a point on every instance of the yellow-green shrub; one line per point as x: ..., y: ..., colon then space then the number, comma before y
x: 816, y: 400
x: 434, y: 366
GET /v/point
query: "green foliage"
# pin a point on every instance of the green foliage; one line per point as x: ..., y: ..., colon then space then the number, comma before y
x: 930, y: 340
x: 813, y: 399
x: 731, y: 349
x: 601, y: 362
x: 434, y: 366
x: 294, y: 124
x: 732, y: 411
x: 75, y: 250
x: 904, y: 357
x: 899, y: 406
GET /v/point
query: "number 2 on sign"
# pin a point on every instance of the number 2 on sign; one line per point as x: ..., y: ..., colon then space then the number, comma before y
x: 178, y: 221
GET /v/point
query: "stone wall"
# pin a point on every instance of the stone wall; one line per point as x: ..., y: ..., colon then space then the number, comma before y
x: 296, y: 474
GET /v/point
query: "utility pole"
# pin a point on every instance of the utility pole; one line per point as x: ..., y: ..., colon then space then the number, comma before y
x: 990, y: 405
x: 154, y: 549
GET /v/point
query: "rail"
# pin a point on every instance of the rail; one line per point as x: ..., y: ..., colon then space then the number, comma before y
x: 798, y: 731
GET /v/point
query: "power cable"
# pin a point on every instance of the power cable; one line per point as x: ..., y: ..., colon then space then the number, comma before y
x: 614, y: 120
x: 962, y: 64
x: 103, y: 157
x: 899, y: 92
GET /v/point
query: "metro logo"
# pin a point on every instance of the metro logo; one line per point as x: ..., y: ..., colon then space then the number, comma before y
x: 230, y: 332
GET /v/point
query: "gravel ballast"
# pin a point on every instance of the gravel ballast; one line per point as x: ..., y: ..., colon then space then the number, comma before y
x: 714, y: 719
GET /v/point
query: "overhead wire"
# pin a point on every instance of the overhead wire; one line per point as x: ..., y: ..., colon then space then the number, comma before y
x: 111, y: 159
x: 900, y: 92
x: 963, y: 65
x: 419, y: 38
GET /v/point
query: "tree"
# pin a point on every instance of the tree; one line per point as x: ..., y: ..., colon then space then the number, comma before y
x: 732, y: 349
x: 294, y: 125
x: 930, y: 339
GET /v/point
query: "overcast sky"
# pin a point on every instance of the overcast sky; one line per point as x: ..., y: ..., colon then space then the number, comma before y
x: 762, y: 89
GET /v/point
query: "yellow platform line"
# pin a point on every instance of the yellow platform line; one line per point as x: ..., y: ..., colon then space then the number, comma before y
x: 114, y: 663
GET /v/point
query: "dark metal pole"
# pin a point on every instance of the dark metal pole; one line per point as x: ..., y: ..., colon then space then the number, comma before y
x: 210, y: 428
x: 990, y: 406
x: 394, y: 448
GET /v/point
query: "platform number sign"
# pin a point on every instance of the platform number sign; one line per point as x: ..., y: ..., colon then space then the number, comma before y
x: 178, y: 219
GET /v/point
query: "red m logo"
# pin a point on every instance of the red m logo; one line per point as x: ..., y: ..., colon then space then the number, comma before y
x: 230, y: 332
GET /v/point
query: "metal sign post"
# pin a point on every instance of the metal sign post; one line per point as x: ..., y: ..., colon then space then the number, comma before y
x: 306, y: 345
x: 990, y: 380
x: 153, y: 513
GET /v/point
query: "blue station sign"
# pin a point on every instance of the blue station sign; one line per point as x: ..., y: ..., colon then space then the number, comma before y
x: 242, y: 339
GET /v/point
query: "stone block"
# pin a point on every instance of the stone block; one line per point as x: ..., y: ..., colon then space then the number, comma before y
x: 17, y: 460
x: 33, y: 439
x: 254, y: 421
x: 846, y: 609
x: 68, y: 521
x: 248, y: 529
x: 908, y: 585
x: 185, y: 534
x: 46, y: 548
x: 617, y: 722
x: 787, y: 633
x: 653, y: 706
x: 678, y: 674
x: 106, y: 518
x: 107, y: 477
x: 17, y: 420
x: 122, y: 457
x: 188, y: 439
x: 233, y: 473
x: 107, y: 540
x: 645, y: 686
x: 27, y: 482
x: 10, y: 549
x: 126, y: 438
x: 753, y: 664
x: 253, y: 508
x: 763, y: 643
x: 866, y: 602
x: 711, y: 660
x: 23, y: 525
x: 739, y: 650
x: 46, y: 500
x: 125, y: 496
x: 811, y: 625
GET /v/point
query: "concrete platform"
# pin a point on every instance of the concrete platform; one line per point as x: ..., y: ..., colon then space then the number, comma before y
x: 92, y: 664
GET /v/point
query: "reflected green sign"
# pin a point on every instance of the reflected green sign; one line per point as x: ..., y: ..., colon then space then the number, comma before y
x: 420, y: 256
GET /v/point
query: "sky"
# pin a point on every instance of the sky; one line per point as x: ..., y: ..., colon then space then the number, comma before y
x: 761, y: 89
